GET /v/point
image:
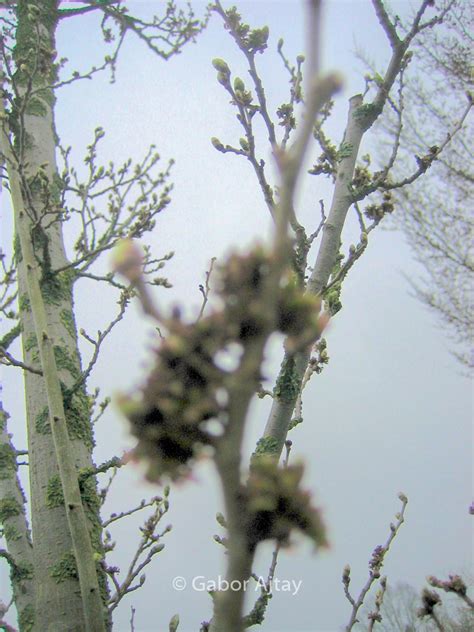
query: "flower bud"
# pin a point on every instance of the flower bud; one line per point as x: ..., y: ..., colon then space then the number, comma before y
x: 127, y: 259
x: 217, y: 143
x: 239, y: 84
x: 221, y: 66
x: 244, y: 144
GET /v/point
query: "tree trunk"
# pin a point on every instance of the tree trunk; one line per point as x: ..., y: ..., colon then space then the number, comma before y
x: 15, y: 529
x: 59, y: 605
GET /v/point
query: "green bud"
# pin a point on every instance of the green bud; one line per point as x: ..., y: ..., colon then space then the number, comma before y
x: 239, y: 84
x: 158, y: 548
x: 221, y: 66
x: 243, y: 97
x: 244, y: 144
x: 300, y: 59
x: 217, y: 143
x: 173, y: 626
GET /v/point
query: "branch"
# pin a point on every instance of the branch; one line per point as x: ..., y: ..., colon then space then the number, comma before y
x: 375, y: 565
x: 148, y: 547
x: 173, y: 30
x: 386, y: 23
x: 97, y: 343
x: 375, y: 616
x: 8, y: 360
x: 123, y: 514
x: 286, y: 111
x: 100, y: 230
x: 113, y: 463
x: 105, y: 490
x: 66, y: 13
x: 205, y: 289
x: 282, y: 409
x: 425, y: 162
x: 132, y: 619
x: 245, y: 45
x: 10, y: 336
x: 318, y: 230
x: 228, y: 604
x: 361, y: 117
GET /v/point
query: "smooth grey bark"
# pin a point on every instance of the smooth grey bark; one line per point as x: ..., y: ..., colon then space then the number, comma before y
x: 59, y: 606
x: 283, y: 405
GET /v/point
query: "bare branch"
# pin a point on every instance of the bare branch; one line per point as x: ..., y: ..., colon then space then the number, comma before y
x: 97, y: 343
x: 375, y: 616
x: 8, y: 360
x: 123, y: 514
x: 228, y: 604
x: 148, y: 546
x: 205, y: 289
x: 386, y: 23
x: 375, y: 565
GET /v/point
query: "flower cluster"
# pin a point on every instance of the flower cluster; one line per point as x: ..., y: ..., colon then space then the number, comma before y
x: 179, y: 396
x: 376, y: 561
x: 188, y: 386
x: 377, y: 211
x: 429, y: 599
x: 454, y: 584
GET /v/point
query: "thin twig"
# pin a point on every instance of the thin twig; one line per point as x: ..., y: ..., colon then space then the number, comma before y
x: 8, y: 360
x: 206, y: 289
x: 375, y: 564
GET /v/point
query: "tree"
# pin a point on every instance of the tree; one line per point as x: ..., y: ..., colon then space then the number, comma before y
x: 66, y: 545
x: 192, y: 403
x: 435, y: 213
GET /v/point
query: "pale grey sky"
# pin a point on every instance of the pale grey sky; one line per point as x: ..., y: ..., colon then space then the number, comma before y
x: 391, y: 412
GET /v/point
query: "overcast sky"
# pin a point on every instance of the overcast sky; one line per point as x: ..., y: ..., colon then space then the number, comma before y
x: 391, y: 412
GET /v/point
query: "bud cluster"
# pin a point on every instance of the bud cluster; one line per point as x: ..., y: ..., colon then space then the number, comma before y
x: 276, y: 504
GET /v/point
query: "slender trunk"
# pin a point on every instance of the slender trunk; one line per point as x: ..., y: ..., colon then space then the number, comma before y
x: 59, y: 606
x: 15, y: 529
